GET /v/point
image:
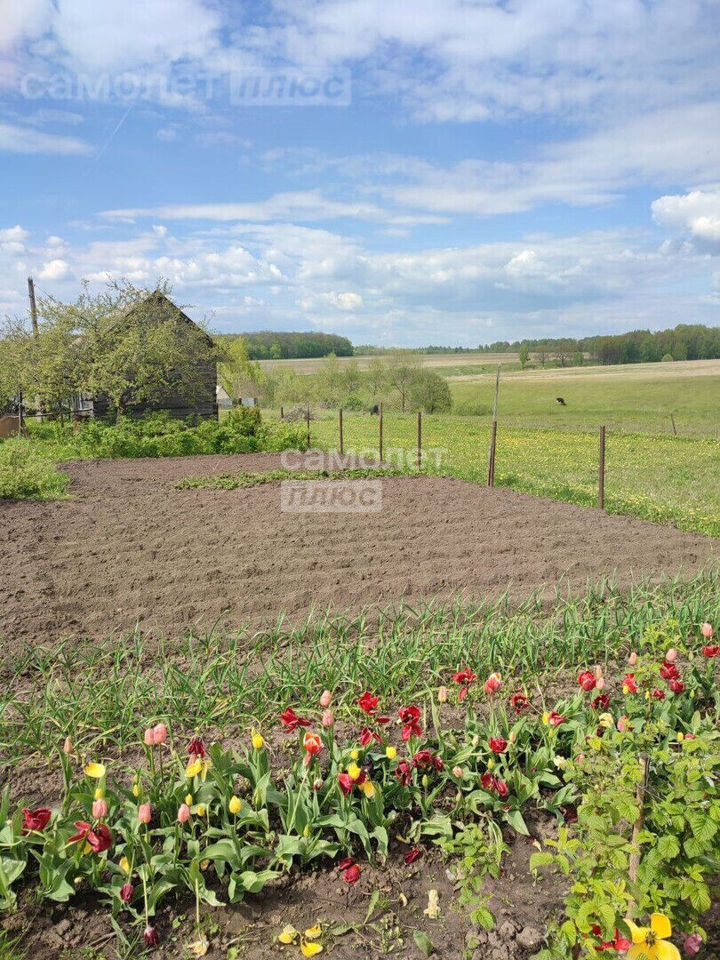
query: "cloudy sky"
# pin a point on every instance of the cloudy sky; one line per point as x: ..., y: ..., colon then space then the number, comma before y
x: 398, y: 171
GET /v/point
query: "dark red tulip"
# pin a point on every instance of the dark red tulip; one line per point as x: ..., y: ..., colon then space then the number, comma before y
x: 36, y: 819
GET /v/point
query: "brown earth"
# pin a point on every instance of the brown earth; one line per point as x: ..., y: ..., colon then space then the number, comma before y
x: 130, y: 547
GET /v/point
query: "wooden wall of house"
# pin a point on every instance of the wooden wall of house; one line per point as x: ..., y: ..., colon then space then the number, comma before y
x: 204, y: 405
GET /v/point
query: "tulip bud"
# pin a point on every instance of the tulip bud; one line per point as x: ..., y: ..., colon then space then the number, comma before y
x: 148, y: 737
x: 144, y: 813
x: 126, y: 892
x: 99, y: 809
x: 99, y: 794
x: 671, y: 655
x: 632, y: 659
x: 235, y: 805
x: 325, y: 699
x: 327, y: 718
x: 693, y: 942
x: 390, y: 752
x: 442, y: 694
x: 151, y: 937
x: 512, y: 736
x: 257, y: 740
x: 317, y: 784
x: 183, y: 814
x: 600, y: 683
x: 598, y: 673
x: 160, y: 733
x: 201, y: 810
x: 68, y: 746
x: 136, y: 790
x: 707, y: 631
x: 458, y: 772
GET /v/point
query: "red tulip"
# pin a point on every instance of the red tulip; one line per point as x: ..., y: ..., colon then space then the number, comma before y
x: 493, y: 683
x: 313, y: 745
x: 519, y: 702
x: 412, y: 855
x: 126, y: 892
x: 711, y: 650
x: 424, y: 759
x: 629, y: 683
x: 196, y: 747
x: 367, y: 736
x: 587, y: 680
x: 555, y: 718
x: 501, y: 787
x: 346, y: 783
x: 498, y: 744
x: 403, y: 772
x: 352, y: 874
x: 601, y: 702
x: 465, y: 678
x: 345, y: 864
x: 676, y: 686
x: 151, y: 937
x: 668, y: 671
x: 291, y: 721
x: 100, y: 838
x: 410, y: 717
x: 658, y: 694
x: 368, y: 702
x: 36, y: 819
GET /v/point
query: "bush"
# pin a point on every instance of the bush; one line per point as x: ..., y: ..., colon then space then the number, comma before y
x: 26, y: 475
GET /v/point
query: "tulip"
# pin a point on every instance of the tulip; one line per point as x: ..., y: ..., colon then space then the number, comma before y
x: 96, y: 771
x: 442, y: 694
x: 201, y: 809
x: 291, y: 721
x: 317, y: 783
x: 693, y: 941
x: 126, y: 892
x: 390, y: 752
x: 99, y: 809
x: 623, y: 725
x: 633, y: 659
x: 327, y: 718
x: 148, y: 737
x: 36, y: 819
x: 600, y: 683
x: 257, y: 740
x: 368, y: 702
x: 144, y: 813
x: 458, y: 772
x: 151, y: 937
x: 671, y: 655
x: 707, y: 631
x: 160, y: 733
x: 587, y: 680
x: 412, y: 855
x: 711, y: 650
x: 183, y: 814
x: 235, y: 805
x: 68, y: 746
x: 493, y: 683
x: 313, y: 745
x: 498, y: 744
x: 325, y: 699
x: 352, y: 874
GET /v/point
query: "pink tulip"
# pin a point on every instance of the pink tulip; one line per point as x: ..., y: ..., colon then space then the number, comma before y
x: 600, y: 683
x: 632, y: 659
x: 442, y: 694
x: 68, y: 746
x: 693, y: 942
x: 598, y: 673
x: 326, y: 699
x: 99, y: 809
x: 144, y: 813
x: 671, y: 655
x: 707, y: 631
x: 148, y: 737
x: 159, y: 734
x: 327, y: 718
x: 623, y: 725
x: 183, y: 814
x: 458, y: 772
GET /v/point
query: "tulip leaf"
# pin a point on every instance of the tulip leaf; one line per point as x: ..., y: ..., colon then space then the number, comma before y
x: 423, y: 942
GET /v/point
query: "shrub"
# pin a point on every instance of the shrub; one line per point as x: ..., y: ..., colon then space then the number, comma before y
x: 26, y: 475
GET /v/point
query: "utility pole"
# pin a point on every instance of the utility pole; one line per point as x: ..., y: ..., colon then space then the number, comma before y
x: 33, y: 307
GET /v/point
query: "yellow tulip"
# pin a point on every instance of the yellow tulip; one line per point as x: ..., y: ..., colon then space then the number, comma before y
x: 99, y: 793
x: 235, y: 805
x: 368, y: 789
x: 651, y: 943
x: 289, y: 934
x: 312, y: 933
x: 355, y: 755
x: 189, y: 799
x: 96, y: 771
x: 125, y: 865
x: 606, y: 720
x: 354, y: 771
x: 201, y: 810
x: 306, y: 830
x: 257, y: 740
x: 309, y: 948
x: 390, y: 753
x: 136, y: 790
x: 193, y: 768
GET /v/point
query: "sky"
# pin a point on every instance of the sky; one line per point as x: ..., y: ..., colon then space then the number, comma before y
x: 401, y: 172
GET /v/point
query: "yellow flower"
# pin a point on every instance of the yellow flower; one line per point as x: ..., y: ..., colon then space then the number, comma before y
x: 606, y: 720
x: 368, y: 789
x: 235, y: 805
x: 125, y: 865
x: 354, y: 754
x: 193, y: 768
x: 312, y: 933
x: 680, y: 737
x: 546, y: 718
x: 491, y: 764
x: 651, y: 943
x: 257, y: 740
x: 96, y: 771
x: 354, y: 771
x: 289, y: 933
x: 306, y: 830
x: 99, y: 793
x: 136, y: 790
x: 201, y: 809
x: 309, y: 949
x: 189, y: 799
x: 390, y: 753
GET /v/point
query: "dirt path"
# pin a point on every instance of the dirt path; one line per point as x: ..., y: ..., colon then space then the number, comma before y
x: 132, y: 547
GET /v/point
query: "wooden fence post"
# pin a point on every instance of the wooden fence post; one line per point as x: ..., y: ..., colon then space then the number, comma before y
x: 493, y: 435
x: 601, y: 477
x: 380, y: 437
x: 341, y: 434
x: 282, y: 414
x: 419, y: 438
x: 307, y: 419
x: 672, y: 420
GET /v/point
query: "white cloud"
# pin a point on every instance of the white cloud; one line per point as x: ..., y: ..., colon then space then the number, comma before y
x: 56, y: 269
x: 696, y: 212
x: 16, y: 234
x: 16, y: 139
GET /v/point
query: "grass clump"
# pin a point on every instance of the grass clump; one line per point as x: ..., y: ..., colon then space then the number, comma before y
x: 231, y: 481
x: 26, y: 474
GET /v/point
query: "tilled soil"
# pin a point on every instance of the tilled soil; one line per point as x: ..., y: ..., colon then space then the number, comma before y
x: 131, y: 548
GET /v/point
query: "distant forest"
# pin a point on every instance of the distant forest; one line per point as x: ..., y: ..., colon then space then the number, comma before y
x: 271, y: 345
x: 684, y: 342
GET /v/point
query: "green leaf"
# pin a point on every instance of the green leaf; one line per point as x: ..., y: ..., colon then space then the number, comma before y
x: 423, y: 942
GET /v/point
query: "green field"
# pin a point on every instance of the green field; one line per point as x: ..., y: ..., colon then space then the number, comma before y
x: 665, y: 479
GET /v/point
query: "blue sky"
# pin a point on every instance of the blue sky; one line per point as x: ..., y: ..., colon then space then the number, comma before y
x: 399, y: 171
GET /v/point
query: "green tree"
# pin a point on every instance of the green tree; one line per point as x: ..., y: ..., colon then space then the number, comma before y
x: 18, y: 370
x: 238, y: 375
x: 430, y: 392
x: 402, y: 370
x: 523, y: 355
